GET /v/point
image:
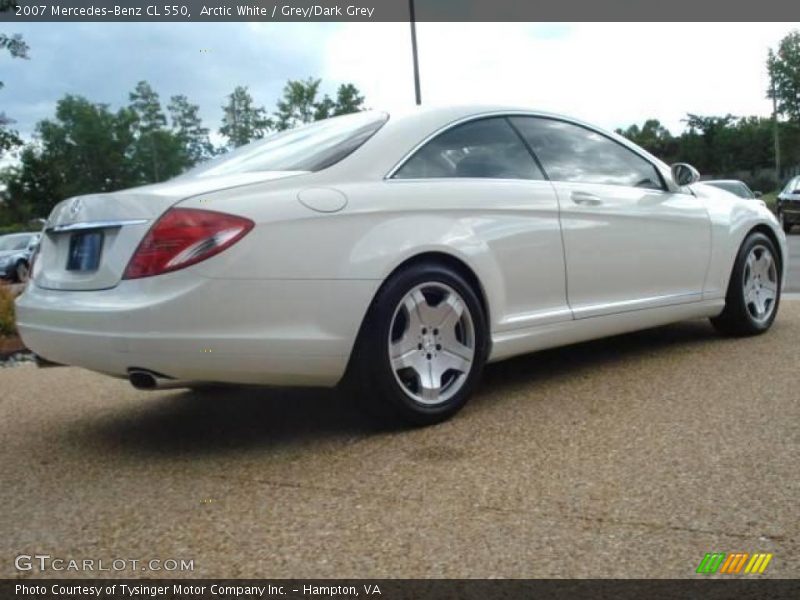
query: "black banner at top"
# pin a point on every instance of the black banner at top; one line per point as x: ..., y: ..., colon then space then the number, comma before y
x: 398, y: 10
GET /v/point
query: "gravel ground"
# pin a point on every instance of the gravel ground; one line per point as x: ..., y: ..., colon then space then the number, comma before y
x: 626, y: 457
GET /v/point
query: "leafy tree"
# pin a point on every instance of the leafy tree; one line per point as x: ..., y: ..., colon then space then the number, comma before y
x: 243, y: 122
x: 784, y: 72
x: 188, y: 127
x: 719, y: 146
x: 653, y: 137
x: 348, y: 100
x: 299, y: 104
x: 86, y: 148
x: 158, y: 153
x: 17, y: 48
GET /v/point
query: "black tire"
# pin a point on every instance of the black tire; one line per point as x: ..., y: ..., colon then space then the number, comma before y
x: 21, y: 272
x: 372, y: 378
x: 737, y: 319
x: 787, y: 226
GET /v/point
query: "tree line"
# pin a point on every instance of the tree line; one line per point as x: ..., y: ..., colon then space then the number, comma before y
x: 87, y: 147
x: 725, y: 146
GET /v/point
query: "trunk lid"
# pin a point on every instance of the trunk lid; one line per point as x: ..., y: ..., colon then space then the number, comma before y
x: 88, y: 240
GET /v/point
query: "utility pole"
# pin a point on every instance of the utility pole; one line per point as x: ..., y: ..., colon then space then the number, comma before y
x: 776, y: 134
x: 417, y: 92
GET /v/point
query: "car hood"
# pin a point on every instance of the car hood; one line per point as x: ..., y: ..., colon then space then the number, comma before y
x: 10, y: 253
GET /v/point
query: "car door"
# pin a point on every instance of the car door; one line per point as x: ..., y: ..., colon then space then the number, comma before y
x: 484, y: 186
x: 630, y: 243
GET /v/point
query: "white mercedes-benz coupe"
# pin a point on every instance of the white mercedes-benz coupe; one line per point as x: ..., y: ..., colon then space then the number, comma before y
x: 399, y: 252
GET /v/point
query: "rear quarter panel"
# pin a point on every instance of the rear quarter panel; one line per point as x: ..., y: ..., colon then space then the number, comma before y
x: 505, y: 231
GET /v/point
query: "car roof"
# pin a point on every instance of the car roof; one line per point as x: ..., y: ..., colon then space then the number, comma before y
x: 19, y: 233
x: 409, y: 128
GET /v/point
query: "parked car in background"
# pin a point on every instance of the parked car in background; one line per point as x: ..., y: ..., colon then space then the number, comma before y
x: 735, y: 187
x: 788, y: 204
x: 16, y: 251
x: 399, y: 253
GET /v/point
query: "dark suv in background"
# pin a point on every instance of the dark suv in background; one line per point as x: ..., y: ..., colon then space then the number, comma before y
x: 16, y: 252
x: 788, y: 205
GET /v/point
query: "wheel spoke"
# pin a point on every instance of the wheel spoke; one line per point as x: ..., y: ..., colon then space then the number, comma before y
x: 768, y: 293
x: 750, y: 268
x: 763, y: 264
x: 451, y: 344
x: 429, y: 385
x: 451, y: 311
x: 770, y: 286
x: 416, y: 306
x: 750, y: 296
x: 404, y: 360
x: 406, y: 344
x: 447, y: 360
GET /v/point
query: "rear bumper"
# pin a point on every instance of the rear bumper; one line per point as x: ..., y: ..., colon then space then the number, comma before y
x: 278, y: 332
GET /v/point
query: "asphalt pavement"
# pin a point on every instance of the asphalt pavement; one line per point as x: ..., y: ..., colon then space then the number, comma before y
x: 626, y: 457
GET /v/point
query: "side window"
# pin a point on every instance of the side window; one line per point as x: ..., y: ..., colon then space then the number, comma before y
x: 487, y: 148
x: 573, y: 153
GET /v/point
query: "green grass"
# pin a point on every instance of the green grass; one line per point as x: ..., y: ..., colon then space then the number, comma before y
x: 770, y: 198
x: 7, y: 325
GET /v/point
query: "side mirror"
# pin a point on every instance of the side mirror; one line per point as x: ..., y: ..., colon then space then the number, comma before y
x: 758, y: 194
x: 684, y: 174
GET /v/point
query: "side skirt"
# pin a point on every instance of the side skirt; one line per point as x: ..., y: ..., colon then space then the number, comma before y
x: 506, y: 344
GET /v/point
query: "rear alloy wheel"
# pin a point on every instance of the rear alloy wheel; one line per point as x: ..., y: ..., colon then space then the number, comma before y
x: 754, y: 290
x: 22, y: 272
x: 431, y: 343
x: 423, y: 346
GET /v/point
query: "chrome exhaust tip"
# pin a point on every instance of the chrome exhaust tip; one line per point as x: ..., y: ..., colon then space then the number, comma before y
x: 143, y: 379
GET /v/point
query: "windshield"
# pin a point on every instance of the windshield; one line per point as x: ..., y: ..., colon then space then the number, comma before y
x: 792, y: 185
x: 309, y: 148
x: 14, y: 242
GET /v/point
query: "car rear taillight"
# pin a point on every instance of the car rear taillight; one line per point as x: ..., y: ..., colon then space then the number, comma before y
x: 183, y: 237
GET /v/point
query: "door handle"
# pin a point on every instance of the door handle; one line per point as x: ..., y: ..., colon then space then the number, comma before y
x: 585, y: 198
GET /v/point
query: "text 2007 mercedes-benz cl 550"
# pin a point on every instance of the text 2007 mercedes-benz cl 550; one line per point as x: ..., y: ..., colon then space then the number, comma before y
x: 404, y: 251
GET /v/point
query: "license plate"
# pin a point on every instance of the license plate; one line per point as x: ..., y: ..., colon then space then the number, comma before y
x: 84, y: 251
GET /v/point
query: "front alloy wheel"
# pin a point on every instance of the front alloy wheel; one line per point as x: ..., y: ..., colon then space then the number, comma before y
x: 754, y: 290
x: 422, y: 346
x: 760, y: 286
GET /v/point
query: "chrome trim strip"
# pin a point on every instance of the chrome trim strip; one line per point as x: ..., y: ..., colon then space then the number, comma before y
x: 94, y: 225
x: 623, y: 306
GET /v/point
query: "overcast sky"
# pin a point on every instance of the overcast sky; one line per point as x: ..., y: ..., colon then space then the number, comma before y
x: 608, y: 74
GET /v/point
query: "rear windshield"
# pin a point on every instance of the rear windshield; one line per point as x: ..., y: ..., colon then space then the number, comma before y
x: 308, y: 148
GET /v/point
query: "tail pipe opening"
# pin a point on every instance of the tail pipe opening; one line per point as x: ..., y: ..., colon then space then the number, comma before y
x: 144, y: 379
